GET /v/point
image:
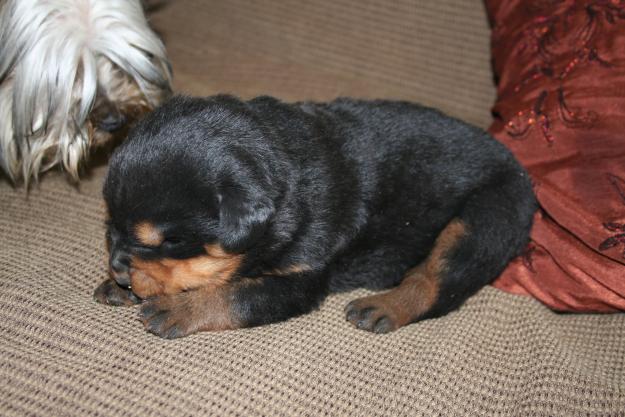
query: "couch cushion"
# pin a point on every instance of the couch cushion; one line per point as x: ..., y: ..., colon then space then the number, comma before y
x: 62, y: 354
x: 435, y: 52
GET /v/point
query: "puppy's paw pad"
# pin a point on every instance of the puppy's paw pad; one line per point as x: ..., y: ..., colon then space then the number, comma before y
x: 110, y: 293
x: 370, y: 314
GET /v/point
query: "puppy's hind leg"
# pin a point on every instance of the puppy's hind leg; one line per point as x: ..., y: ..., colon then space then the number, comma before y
x: 491, y: 228
x: 416, y: 294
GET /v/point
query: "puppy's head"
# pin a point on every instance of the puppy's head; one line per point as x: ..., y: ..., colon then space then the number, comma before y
x: 188, y: 193
x: 73, y: 75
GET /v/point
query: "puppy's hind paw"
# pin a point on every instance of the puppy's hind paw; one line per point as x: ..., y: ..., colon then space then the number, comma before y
x: 370, y: 314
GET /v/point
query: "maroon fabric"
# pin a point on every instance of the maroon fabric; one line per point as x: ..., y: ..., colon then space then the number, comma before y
x: 560, y: 66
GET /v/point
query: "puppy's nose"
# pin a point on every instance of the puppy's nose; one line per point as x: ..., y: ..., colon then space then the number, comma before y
x: 120, y: 262
x: 120, y: 268
x: 112, y: 121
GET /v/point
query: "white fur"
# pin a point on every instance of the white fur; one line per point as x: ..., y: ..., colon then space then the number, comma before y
x: 54, y: 55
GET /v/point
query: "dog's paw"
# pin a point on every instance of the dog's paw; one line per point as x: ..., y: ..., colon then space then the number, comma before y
x: 179, y: 315
x: 112, y: 294
x: 168, y: 317
x: 373, y: 313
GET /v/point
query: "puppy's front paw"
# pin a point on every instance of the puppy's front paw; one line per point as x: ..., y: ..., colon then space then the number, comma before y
x: 168, y: 317
x: 373, y: 313
x: 173, y: 316
x: 112, y: 294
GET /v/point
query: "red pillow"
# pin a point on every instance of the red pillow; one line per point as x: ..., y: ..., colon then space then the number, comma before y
x: 560, y: 66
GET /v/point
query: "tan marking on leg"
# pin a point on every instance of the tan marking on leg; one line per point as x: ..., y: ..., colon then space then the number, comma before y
x: 171, y: 276
x: 148, y: 234
x: 204, y: 309
x: 446, y: 240
x: 415, y: 295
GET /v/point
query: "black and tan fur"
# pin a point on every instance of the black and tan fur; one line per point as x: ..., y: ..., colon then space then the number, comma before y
x: 227, y: 213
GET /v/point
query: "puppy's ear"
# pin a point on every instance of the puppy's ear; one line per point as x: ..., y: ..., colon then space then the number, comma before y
x: 244, y: 214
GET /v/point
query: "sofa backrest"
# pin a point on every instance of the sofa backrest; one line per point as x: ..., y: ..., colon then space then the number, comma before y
x: 432, y: 51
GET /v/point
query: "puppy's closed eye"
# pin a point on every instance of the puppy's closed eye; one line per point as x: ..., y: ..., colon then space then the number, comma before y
x: 172, y: 242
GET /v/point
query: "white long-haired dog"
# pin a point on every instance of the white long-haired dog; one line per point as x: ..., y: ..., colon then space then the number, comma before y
x: 73, y: 73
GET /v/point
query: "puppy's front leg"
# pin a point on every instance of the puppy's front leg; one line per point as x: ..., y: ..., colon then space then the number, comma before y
x: 244, y: 303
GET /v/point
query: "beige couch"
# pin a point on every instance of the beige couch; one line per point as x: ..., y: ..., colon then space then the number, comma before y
x: 61, y: 354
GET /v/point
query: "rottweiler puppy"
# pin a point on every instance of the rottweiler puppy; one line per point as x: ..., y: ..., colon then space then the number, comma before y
x: 226, y: 213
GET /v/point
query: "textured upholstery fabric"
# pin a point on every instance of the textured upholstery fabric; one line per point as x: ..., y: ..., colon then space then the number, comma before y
x: 560, y: 107
x: 61, y: 354
x: 434, y: 52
